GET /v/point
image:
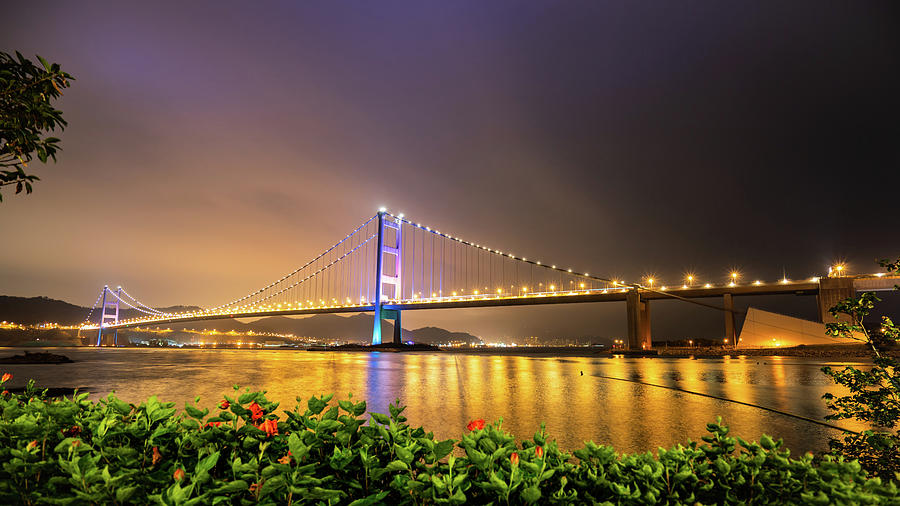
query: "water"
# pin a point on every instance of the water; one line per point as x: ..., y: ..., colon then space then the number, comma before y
x: 444, y: 391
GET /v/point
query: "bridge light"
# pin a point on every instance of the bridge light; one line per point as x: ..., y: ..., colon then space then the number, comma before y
x: 784, y: 281
x: 581, y: 285
x: 552, y: 287
x: 382, y: 209
x: 707, y: 285
x: 757, y: 282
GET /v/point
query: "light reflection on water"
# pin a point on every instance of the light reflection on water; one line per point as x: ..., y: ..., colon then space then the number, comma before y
x: 444, y: 391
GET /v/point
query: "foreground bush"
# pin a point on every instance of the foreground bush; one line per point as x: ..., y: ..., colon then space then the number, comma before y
x: 64, y: 451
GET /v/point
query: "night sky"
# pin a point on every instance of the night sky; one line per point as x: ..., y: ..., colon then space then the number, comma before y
x: 213, y: 147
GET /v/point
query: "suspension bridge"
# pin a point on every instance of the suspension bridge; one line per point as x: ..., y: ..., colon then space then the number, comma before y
x: 390, y: 264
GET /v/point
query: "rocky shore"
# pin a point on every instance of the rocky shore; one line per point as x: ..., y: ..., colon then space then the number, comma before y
x: 40, y: 357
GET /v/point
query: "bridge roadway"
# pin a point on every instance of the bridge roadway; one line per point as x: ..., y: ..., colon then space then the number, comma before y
x: 488, y: 300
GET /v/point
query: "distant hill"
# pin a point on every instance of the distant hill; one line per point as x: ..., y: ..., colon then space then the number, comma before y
x: 356, y: 328
x: 439, y: 335
x: 33, y: 310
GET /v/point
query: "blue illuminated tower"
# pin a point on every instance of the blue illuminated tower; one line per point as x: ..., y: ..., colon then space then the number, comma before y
x: 393, y: 278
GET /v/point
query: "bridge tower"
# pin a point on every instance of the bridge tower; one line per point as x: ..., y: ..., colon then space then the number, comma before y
x: 111, y: 315
x: 392, y: 278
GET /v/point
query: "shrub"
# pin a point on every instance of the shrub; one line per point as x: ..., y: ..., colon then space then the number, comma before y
x: 75, y: 451
x: 874, y: 394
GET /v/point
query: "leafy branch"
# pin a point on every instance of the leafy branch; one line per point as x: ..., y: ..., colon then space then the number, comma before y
x: 27, y: 115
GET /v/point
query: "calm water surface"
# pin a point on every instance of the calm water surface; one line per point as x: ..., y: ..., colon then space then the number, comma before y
x: 443, y: 391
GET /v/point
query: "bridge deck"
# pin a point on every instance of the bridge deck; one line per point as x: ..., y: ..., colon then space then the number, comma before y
x: 585, y: 296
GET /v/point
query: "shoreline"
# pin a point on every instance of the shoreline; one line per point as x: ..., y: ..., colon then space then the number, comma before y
x: 825, y: 351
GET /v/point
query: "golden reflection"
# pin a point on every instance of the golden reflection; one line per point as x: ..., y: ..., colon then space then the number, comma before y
x: 444, y: 391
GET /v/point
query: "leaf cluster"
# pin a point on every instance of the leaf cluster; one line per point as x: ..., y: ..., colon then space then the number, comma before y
x: 27, y: 114
x: 75, y: 451
x: 874, y: 393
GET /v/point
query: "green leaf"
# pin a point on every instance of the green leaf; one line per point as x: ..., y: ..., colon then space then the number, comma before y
x: 397, y: 465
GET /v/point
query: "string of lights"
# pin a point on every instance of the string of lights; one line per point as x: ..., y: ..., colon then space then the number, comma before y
x: 295, y: 271
x: 314, y: 274
x: 136, y: 308
x: 139, y: 303
x: 94, y: 307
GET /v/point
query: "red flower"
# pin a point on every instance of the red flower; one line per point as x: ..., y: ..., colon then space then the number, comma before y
x: 475, y: 424
x: 539, y: 452
x: 5, y: 392
x: 178, y: 475
x: 256, y: 411
x: 32, y: 445
x: 254, y: 487
x: 72, y: 431
x: 224, y: 404
x: 156, y: 455
x: 6, y: 377
x: 269, y: 426
x: 213, y: 424
x: 514, y: 459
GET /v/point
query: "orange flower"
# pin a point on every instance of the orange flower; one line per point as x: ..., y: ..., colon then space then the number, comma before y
x: 5, y: 392
x: 514, y: 459
x: 254, y: 487
x: 476, y: 424
x: 539, y: 452
x: 284, y: 460
x: 6, y: 377
x: 224, y: 404
x: 156, y: 455
x: 269, y: 426
x: 178, y: 475
x: 32, y: 445
x: 255, y: 410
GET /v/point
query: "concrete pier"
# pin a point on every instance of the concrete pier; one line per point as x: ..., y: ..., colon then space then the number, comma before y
x: 728, y: 305
x: 638, y: 314
x: 832, y: 291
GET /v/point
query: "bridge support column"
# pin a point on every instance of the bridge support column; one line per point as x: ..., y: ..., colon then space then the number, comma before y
x: 638, y: 314
x: 393, y: 314
x: 832, y: 291
x: 730, y: 333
